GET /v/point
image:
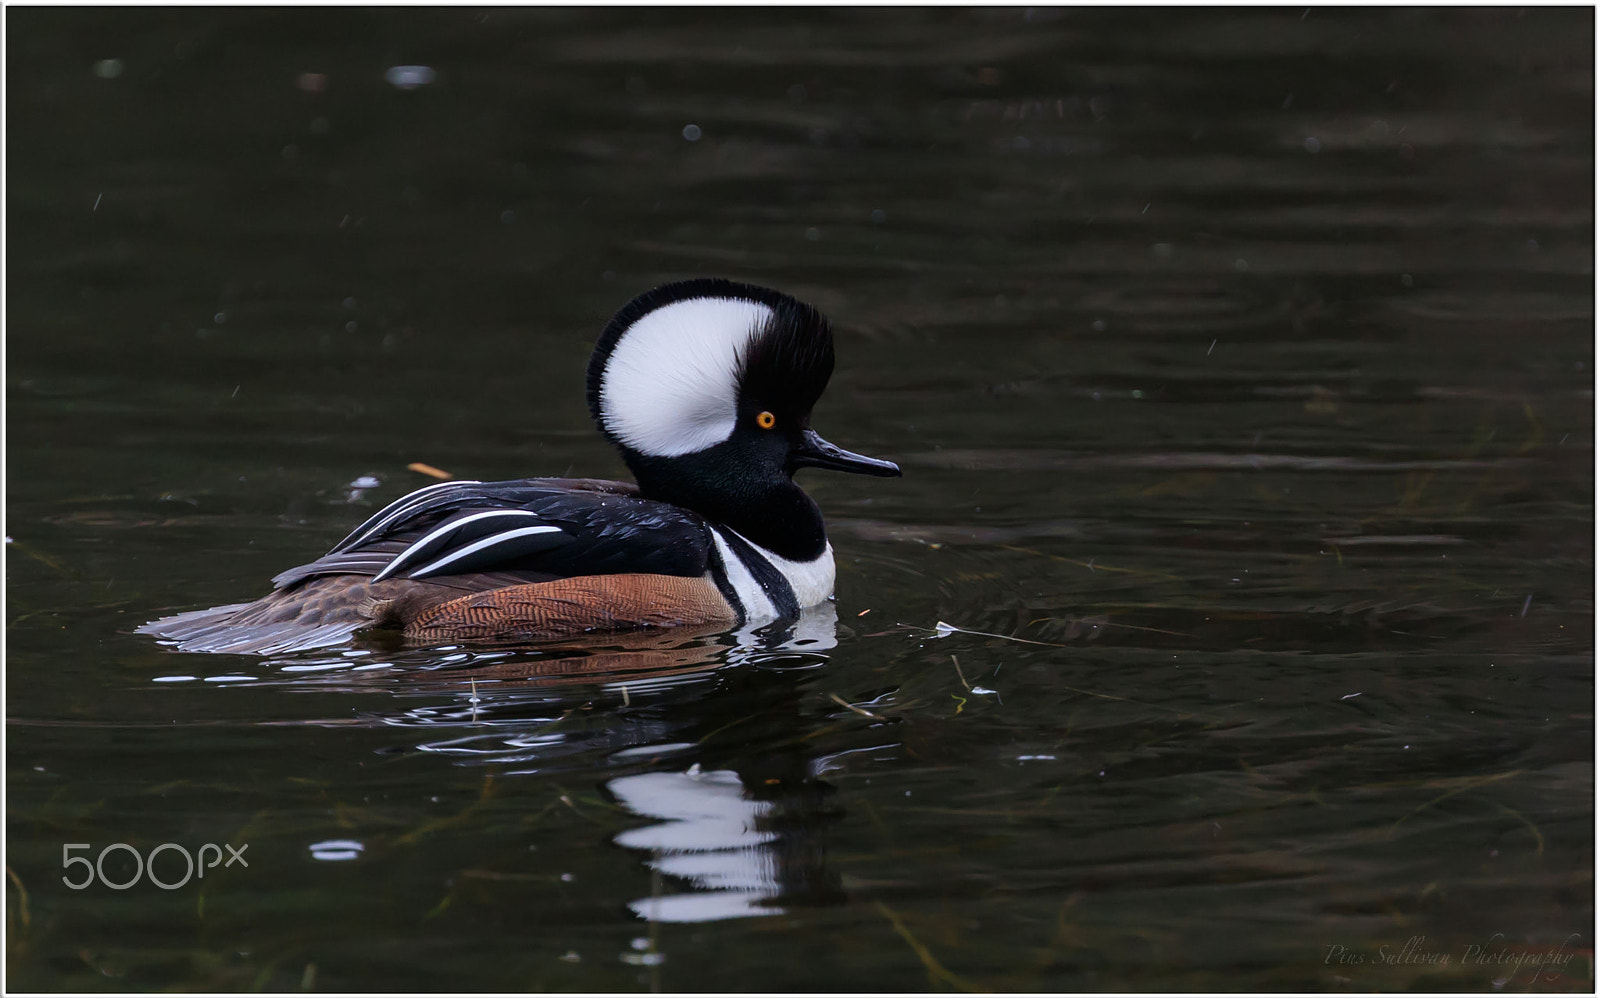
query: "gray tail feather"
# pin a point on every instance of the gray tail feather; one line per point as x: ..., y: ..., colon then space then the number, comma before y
x: 219, y: 630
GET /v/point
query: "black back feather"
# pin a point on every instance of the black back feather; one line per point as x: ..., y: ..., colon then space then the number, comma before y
x: 604, y: 529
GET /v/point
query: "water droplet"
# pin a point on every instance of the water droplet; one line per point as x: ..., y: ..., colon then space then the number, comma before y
x: 692, y: 133
x: 1313, y: 145
x: 108, y: 69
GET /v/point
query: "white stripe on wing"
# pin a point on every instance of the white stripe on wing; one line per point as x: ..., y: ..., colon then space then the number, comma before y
x: 420, y: 545
x: 476, y: 546
x: 396, y: 510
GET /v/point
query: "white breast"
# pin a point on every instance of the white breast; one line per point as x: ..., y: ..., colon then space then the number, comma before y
x: 811, y: 581
x: 757, y: 607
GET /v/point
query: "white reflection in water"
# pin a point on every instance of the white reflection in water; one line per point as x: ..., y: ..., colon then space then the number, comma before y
x: 816, y: 630
x: 709, y: 838
x: 336, y: 850
x: 709, y: 835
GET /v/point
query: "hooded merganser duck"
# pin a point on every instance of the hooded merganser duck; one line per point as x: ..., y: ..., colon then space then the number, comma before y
x: 706, y: 387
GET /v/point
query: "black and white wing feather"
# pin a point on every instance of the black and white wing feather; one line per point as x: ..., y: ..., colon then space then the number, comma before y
x: 413, y: 505
x: 530, y: 530
x: 477, y: 541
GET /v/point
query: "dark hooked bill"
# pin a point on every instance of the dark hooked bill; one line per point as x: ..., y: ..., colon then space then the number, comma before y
x: 815, y: 452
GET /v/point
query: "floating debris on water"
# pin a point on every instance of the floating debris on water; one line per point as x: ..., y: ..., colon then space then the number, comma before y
x: 841, y: 701
x: 428, y: 469
x: 944, y: 630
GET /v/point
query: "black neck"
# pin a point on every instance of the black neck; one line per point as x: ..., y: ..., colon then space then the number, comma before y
x: 770, y: 510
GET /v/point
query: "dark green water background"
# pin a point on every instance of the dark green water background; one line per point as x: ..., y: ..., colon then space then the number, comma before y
x: 1243, y: 361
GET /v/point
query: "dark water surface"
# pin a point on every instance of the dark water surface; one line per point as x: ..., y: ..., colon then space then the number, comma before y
x: 1242, y: 363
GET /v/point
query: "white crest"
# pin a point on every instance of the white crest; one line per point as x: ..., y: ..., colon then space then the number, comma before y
x: 671, y: 384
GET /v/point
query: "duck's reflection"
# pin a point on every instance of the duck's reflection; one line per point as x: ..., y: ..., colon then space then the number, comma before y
x: 735, y: 812
x: 743, y: 829
x: 711, y: 836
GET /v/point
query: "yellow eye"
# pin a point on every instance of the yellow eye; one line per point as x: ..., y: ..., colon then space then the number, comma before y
x: 766, y: 420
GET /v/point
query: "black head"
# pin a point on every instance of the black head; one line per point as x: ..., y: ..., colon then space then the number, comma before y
x: 707, y: 387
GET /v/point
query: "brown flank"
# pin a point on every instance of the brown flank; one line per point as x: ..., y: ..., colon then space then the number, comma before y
x: 571, y: 606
